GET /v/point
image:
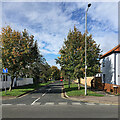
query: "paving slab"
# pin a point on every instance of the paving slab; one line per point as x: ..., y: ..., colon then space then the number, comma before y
x: 94, y: 99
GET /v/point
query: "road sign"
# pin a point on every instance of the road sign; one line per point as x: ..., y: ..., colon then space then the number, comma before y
x: 5, y: 70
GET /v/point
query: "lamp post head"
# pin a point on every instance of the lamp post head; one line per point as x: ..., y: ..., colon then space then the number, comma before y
x: 89, y: 5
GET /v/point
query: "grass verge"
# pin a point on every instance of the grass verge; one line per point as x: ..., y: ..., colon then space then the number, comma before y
x: 23, y: 89
x: 73, y: 90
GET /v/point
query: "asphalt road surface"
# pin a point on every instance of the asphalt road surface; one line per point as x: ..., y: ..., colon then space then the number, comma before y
x: 48, y: 103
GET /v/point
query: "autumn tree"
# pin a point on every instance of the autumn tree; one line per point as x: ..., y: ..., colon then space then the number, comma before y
x: 72, y: 57
x: 38, y: 66
x: 16, y: 48
x: 55, y: 74
x: 21, y: 55
x: 45, y: 74
x: 29, y: 57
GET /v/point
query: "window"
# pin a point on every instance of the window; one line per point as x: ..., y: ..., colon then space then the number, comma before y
x: 104, y: 78
x: 104, y: 62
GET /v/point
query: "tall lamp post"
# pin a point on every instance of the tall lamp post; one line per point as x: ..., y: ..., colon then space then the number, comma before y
x: 85, y: 47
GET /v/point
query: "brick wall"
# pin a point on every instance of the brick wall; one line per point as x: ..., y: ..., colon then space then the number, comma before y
x: 109, y: 88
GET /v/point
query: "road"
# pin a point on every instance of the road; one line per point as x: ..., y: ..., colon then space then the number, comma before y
x: 48, y: 103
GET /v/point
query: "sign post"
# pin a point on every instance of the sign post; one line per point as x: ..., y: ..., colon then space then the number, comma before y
x: 5, y: 71
x: 5, y: 84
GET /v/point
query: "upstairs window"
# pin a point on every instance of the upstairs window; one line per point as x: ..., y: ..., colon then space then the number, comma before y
x: 104, y: 78
x: 103, y: 62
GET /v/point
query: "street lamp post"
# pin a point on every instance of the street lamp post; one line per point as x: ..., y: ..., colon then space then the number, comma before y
x: 85, y: 47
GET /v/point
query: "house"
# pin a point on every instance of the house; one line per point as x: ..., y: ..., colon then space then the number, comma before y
x: 110, y: 67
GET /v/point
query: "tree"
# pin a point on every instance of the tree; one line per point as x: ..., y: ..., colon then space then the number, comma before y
x: 55, y: 73
x: 35, y: 62
x: 72, y: 57
x: 46, y: 71
x: 38, y: 67
x: 14, y: 50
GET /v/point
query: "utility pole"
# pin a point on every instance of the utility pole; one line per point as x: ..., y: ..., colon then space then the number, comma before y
x: 85, y: 47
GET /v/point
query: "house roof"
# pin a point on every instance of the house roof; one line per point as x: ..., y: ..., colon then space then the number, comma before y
x: 114, y: 50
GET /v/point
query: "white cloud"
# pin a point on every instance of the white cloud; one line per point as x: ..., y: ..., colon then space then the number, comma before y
x: 106, y: 13
x: 43, y: 51
x: 105, y: 26
x: 107, y: 41
x: 54, y: 24
x: 53, y: 63
x: 51, y: 24
x: 54, y: 43
x: 53, y: 20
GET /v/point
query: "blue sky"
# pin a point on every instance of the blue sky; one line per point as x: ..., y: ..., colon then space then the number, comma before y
x: 50, y: 23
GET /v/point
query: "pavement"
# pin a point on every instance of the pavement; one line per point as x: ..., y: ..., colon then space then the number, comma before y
x: 113, y: 100
x: 106, y: 99
x: 7, y: 97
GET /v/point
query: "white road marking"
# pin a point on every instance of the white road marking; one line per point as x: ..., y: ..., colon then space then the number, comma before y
x: 90, y: 104
x: 76, y: 103
x: 35, y: 101
x: 101, y: 104
x: 6, y: 104
x: 49, y: 89
x: 62, y: 103
x: 49, y: 103
x: 43, y: 94
x: 34, y: 97
x: 106, y: 104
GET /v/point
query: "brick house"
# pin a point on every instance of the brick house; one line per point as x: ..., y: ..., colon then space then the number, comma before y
x: 110, y: 68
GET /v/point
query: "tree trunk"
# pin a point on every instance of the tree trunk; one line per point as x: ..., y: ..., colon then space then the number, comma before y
x: 69, y: 82
x: 78, y: 83
x: 16, y: 81
x: 34, y: 81
x: 12, y: 80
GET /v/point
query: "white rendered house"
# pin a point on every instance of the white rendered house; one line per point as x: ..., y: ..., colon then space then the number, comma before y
x: 110, y: 68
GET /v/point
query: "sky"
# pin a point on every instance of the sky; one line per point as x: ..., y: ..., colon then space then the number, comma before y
x: 50, y: 23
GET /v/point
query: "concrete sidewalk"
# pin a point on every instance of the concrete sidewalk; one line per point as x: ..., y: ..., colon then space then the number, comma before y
x: 113, y: 100
x: 106, y: 99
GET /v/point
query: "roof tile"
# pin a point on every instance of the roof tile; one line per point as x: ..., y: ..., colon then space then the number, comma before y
x: 115, y: 49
